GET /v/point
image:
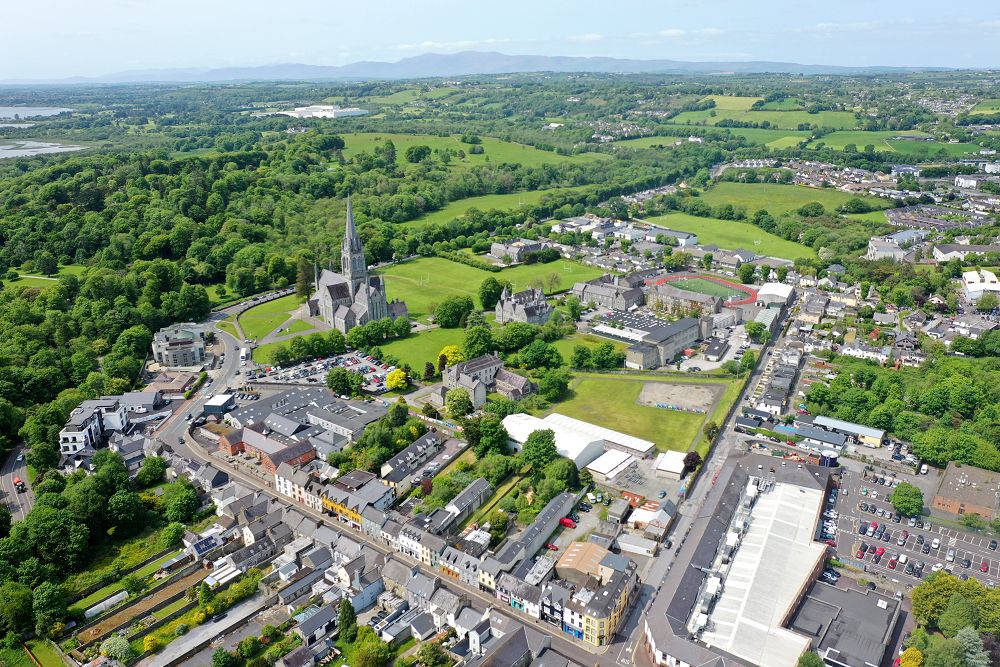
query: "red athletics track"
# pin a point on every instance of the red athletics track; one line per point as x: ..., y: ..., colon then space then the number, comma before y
x: 751, y: 293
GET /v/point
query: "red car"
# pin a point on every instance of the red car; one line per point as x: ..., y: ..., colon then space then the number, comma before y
x: 862, y: 550
x: 551, y: 547
x: 832, y: 543
x: 985, y: 567
x: 880, y: 551
x: 892, y: 563
x: 567, y: 522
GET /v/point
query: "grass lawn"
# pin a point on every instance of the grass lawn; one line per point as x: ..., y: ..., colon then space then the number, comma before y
x: 731, y: 234
x: 459, y: 207
x: 171, y: 608
x: 873, y: 216
x: 729, y: 396
x: 265, y: 318
x: 787, y: 104
x: 610, y: 401
x: 771, y: 138
x: 229, y: 327
x: 123, y: 554
x: 44, y: 653
x: 428, y: 280
x: 15, y: 657
x: 299, y: 326
x: 703, y: 286
x: 494, y: 150
x: 648, y: 142
x: 777, y: 198
x: 111, y: 589
x: 566, y: 345
x: 419, y: 348
x: 884, y: 141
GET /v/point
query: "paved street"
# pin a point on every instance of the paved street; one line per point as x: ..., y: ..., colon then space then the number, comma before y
x: 19, y: 503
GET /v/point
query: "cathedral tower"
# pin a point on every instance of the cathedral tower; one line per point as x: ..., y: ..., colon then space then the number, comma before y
x: 352, y: 255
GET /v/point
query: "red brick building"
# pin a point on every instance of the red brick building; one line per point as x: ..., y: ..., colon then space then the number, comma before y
x: 269, y: 451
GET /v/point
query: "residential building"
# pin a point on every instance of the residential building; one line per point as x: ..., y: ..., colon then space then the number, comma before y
x: 527, y: 306
x: 398, y: 471
x: 483, y: 375
x: 945, y: 252
x: 977, y: 282
x: 91, y: 422
x: 180, y: 346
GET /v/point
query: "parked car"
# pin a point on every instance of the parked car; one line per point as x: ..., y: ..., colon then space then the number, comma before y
x: 551, y: 547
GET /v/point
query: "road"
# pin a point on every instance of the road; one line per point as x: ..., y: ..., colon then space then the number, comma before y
x: 19, y: 504
x: 176, y: 427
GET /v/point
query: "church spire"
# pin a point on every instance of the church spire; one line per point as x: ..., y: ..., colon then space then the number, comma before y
x: 352, y: 242
x: 352, y: 255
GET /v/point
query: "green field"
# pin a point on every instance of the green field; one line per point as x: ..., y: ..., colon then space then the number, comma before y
x: 648, y: 142
x: 495, y: 150
x: 419, y: 348
x: 265, y: 318
x: 459, y: 207
x: 428, y: 280
x: 732, y: 102
x: 298, y: 326
x: 771, y: 138
x: 787, y: 104
x: 704, y: 286
x: 777, y: 198
x: 566, y: 345
x: 611, y: 401
x: 786, y: 120
x: 991, y: 105
x: 884, y: 142
x: 731, y: 235
x: 29, y: 279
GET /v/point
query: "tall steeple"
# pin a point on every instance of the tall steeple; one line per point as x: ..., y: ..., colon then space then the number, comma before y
x: 352, y: 254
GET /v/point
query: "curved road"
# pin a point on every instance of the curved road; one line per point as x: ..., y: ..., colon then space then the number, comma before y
x: 19, y: 504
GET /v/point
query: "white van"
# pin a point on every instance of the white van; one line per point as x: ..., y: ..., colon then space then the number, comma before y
x: 591, y: 497
x: 902, y: 559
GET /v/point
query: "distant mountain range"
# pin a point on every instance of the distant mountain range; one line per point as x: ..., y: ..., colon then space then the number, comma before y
x: 469, y: 63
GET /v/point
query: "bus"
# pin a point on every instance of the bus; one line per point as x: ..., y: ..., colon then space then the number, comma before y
x: 245, y: 354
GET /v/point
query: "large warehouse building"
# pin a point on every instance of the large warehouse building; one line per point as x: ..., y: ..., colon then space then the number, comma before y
x: 579, y: 441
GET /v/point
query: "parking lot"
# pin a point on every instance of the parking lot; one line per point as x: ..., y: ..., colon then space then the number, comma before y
x: 314, y: 372
x: 867, y: 501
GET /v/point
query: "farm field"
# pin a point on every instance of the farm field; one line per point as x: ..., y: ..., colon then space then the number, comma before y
x: 733, y: 102
x: 494, y: 150
x: 885, y: 142
x: 777, y: 198
x: 648, y: 142
x: 419, y: 348
x: 787, y: 104
x: 428, y: 280
x: 703, y: 286
x: 771, y: 138
x: 459, y: 207
x: 261, y: 320
x: 731, y: 235
x: 612, y: 402
x: 990, y: 105
x: 785, y: 120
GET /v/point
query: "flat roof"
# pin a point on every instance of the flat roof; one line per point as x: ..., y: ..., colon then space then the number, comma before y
x: 610, y: 461
x: 970, y: 485
x: 219, y: 400
x: 849, y: 427
x: 775, y: 289
x: 670, y: 461
x: 774, y: 559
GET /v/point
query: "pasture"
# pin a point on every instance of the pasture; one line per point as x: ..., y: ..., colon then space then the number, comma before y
x: 613, y: 402
x: 648, y: 142
x: 785, y: 120
x: 428, y: 280
x: 776, y: 198
x: 885, y: 142
x: 494, y: 150
x: 459, y: 207
x: 990, y: 105
x: 731, y: 235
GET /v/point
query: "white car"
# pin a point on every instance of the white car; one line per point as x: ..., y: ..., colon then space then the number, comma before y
x: 937, y: 567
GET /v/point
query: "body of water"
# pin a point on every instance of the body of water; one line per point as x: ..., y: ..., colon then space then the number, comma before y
x: 17, y: 148
x: 30, y: 112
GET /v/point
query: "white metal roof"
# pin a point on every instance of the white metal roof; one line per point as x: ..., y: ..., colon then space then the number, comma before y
x: 219, y: 400
x: 848, y: 427
x: 780, y: 290
x: 594, y: 431
x: 611, y: 463
x: 571, y: 443
x: 671, y: 461
x: 771, y: 567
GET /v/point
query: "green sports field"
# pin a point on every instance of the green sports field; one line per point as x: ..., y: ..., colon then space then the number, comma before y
x: 703, y: 286
x: 611, y: 401
x: 777, y: 198
x: 458, y: 207
x: 265, y: 318
x: 731, y: 235
x: 495, y: 150
x: 429, y: 280
x: 419, y: 348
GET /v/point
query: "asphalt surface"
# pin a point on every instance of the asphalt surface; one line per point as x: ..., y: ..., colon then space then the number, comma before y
x: 965, y: 545
x: 19, y: 504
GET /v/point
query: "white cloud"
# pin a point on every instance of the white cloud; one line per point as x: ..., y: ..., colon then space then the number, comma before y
x: 588, y: 37
x: 672, y: 33
x: 710, y: 32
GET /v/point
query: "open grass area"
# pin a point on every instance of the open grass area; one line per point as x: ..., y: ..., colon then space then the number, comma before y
x: 771, y: 138
x: 733, y: 102
x: 611, y: 401
x: 15, y: 657
x: 229, y: 326
x: 111, y: 555
x: 428, y: 280
x: 419, y: 348
x: 44, y: 653
x: 885, y: 141
x: 459, y: 207
x: 990, y: 105
x: 494, y: 150
x: 777, y: 198
x: 785, y: 120
x: 787, y: 104
x: 648, y: 142
x: 299, y: 326
x: 480, y: 515
x: 703, y: 286
x: 265, y: 318
x: 730, y: 234
x: 111, y: 589
x: 566, y: 345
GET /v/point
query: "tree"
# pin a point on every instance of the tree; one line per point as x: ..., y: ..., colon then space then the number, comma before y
x: 430, y: 654
x: 180, y: 502
x: 369, y: 651
x: 49, y: 607
x: 171, y: 535
x: 691, y: 461
x: 347, y: 621
x: 397, y: 380
x: 493, y: 437
x: 811, y: 210
x: 908, y: 499
x: 126, y: 511
x: 451, y: 354
x: 478, y: 341
x: 931, y: 597
x: 5, y: 522
x: 540, y: 448
x: 553, y: 384
x: 223, y: 658
x: 574, y: 308
x: 46, y: 264
x: 248, y: 647
x: 581, y: 357
x: 987, y: 302
x: 450, y: 312
x: 972, y: 648
x: 961, y: 612
x: 303, y: 279
x: 539, y: 354
x: 152, y: 471
x: 810, y: 659
x: 563, y: 469
x: 458, y: 402
x: 429, y: 371
x: 747, y: 272
x: 912, y: 657
x: 489, y: 292
x: 117, y: 648
x: 133, y: 584
x: 757, y: 332
x: 416, y: 154
x: 945, y: 653
x: 344, y: 382
x: 205, y: 594
x: 15, y: 612
x: 711, y: 429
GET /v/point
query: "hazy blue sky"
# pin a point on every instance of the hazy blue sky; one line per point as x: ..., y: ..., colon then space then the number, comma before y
x: 58, y: 38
